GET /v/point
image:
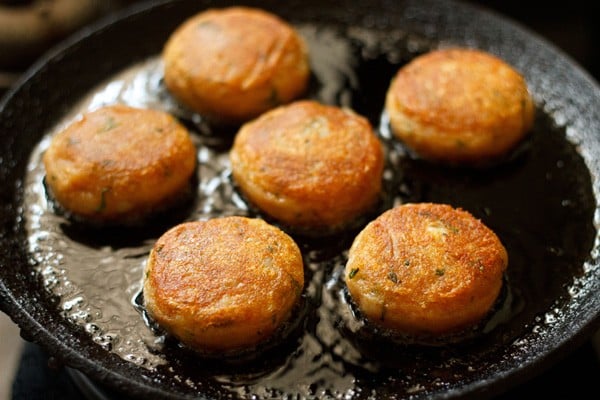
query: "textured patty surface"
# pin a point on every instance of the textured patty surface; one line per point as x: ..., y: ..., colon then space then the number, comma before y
x: 313, y: 167
x: 119, y: 163
x: 223, y: 284
x: 459, y: 106
x: 425, y: 268
x: 232, y: 64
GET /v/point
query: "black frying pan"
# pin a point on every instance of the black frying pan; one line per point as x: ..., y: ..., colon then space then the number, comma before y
x: 541, y: 202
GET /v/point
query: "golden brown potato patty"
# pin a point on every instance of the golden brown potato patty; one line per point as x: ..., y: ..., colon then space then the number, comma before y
x: 459, y: 106
x: 425, y: 269
x: 313, y: 167
x: 232, y: 64
x: 118, y: 164
x: 223, y: 284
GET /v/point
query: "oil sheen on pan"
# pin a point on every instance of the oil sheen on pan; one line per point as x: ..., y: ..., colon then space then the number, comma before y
x: 96, y: 275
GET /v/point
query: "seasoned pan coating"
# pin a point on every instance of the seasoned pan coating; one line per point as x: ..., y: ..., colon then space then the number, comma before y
x: 459, y: 106
x: 232, y: 64
x: 425, y: 269
x: 223, y: 284
x: 119, y: 164
x: 315, y: 168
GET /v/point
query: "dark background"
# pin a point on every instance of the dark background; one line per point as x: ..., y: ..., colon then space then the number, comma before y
x: 574, y: 28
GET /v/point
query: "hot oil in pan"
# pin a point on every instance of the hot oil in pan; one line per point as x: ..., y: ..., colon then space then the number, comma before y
x: 539, y: 203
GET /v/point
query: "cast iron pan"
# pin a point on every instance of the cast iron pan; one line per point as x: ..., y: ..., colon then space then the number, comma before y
x: 541, y: 201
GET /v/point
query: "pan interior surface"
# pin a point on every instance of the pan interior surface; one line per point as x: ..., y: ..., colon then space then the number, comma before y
x: 55, y: 275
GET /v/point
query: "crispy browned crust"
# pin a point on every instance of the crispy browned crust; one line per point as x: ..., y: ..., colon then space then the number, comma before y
x: 223, y: 284
x: 425, y: 268
x: 460, y: 106
x: 310, y: 166
x: 232, y: 64
x: 119, y: 163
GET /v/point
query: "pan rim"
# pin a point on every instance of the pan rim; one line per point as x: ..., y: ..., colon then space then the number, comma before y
x: 69, y: 356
